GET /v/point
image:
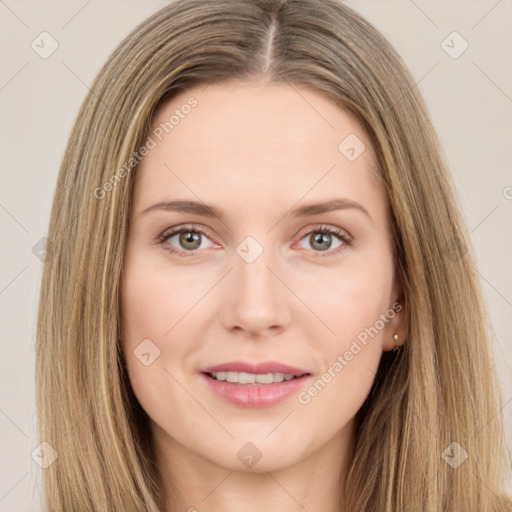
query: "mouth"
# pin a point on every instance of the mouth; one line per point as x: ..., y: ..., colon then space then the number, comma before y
x: 254, y: 385
x: 246, y: 378
x: 262, y: 370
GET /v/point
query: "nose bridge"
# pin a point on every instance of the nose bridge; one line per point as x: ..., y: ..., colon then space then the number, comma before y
x: 254, y: 278
x: 257, y: 301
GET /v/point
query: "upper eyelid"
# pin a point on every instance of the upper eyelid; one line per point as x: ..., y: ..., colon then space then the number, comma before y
x: 178, y: 229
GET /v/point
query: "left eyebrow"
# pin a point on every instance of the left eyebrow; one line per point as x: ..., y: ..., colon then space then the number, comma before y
x: 329, y: 206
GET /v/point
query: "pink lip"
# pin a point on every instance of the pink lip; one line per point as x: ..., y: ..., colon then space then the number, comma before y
x: 255, y: 395
x: 256, y: 368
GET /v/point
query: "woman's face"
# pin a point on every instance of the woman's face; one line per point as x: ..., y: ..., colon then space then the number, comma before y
x: 272, y: 285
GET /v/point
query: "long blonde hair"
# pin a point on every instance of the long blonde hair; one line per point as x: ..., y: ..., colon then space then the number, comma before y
x: 440, y: 389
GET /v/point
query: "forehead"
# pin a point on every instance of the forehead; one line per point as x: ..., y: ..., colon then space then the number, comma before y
x: 240, y: 143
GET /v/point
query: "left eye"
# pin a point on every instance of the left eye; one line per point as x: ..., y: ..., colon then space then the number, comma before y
x: 322, y: 239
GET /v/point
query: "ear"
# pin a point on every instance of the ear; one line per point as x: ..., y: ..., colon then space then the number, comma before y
x: 397, y: 315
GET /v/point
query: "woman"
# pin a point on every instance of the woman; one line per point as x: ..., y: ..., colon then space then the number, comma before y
x: 261, y: 292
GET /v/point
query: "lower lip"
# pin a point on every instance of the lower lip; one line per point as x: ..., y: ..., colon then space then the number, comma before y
x: 255, y: 395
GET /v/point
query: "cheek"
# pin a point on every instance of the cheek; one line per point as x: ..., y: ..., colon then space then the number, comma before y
x: 349, y: 356
x: 162, y: 308
x: 352, y: 307
x: 155, y: 300
x: 143, y: 304
x: 149, y: 310
x: 349, y: 303
x: 153, y: 316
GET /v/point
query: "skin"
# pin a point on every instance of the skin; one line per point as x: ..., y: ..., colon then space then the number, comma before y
x: 256, y: 151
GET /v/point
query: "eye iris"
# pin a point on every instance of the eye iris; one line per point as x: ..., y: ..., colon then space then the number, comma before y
x: 321, y: 238
x: 187, y: 237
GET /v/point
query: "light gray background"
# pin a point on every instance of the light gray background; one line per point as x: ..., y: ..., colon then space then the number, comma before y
x: 470, y: 99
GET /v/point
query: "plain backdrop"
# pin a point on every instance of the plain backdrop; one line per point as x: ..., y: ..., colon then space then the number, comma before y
x: 469, y: 94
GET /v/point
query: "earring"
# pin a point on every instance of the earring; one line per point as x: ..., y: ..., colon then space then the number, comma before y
x: 396, y: 347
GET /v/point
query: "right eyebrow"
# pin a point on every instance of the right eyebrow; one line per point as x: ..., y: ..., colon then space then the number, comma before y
x: 183, y: 206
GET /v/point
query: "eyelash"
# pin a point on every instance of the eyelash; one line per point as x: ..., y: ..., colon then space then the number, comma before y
x: 341, y: 234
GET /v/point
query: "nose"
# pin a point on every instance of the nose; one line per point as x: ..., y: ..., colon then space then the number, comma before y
x: 258, y: 300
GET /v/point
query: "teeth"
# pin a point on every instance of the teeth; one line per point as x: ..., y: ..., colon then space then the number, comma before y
x: 251, y: 378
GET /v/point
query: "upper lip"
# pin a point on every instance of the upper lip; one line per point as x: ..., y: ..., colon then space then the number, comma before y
x: 256, y: 368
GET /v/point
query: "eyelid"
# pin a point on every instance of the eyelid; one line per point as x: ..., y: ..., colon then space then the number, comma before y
x: 182, y: 227
x: 330, y: 228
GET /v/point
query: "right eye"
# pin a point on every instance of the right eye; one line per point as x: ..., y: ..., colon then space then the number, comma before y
x: 187, y: 240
